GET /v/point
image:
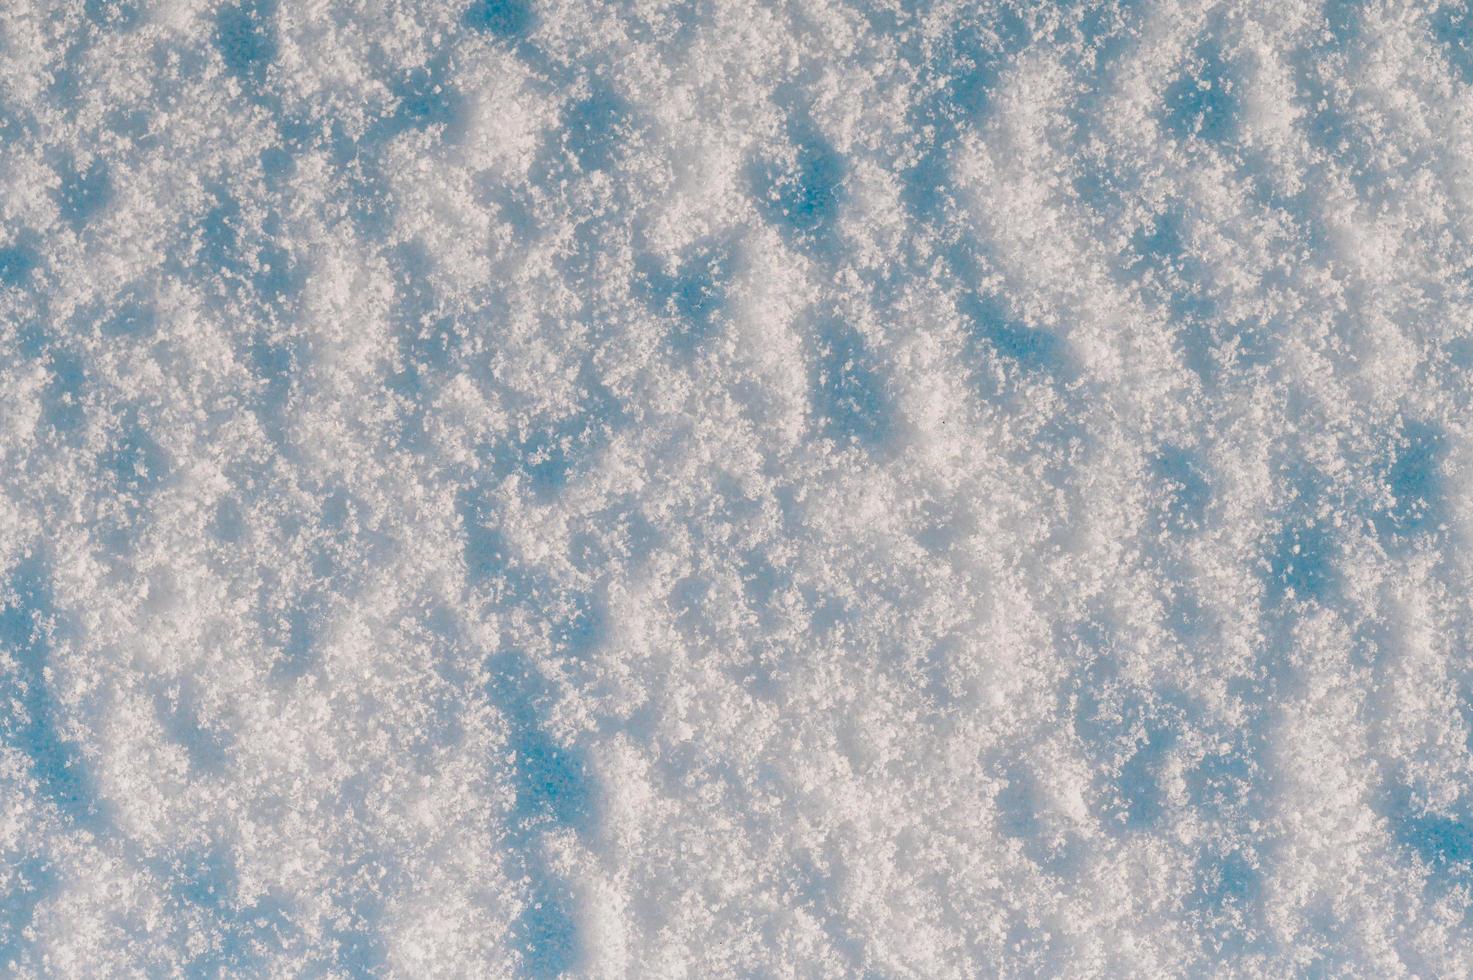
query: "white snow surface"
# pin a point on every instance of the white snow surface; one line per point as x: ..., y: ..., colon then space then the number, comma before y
x: 716, y: 488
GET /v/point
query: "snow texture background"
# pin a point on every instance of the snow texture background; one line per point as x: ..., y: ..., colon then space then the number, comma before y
x: 715, y: 488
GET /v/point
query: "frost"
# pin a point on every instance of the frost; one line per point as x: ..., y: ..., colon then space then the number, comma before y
x: 524, y: 488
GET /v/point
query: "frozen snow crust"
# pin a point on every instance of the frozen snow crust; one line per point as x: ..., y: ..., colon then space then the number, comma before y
x: 830, y: 488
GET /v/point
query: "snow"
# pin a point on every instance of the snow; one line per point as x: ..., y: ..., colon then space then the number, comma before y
x: 676, y: 488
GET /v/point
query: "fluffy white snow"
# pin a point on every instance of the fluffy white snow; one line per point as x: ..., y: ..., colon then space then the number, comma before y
x: 714, y: 488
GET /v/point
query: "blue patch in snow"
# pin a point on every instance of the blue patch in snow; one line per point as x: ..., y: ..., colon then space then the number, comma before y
x: 596, y: 127
x: 1224, y: 904
x: 849, y: 390
x: 130, y: 316
x: 506, y: 19
x: 1138, y: 785
x: 31, y: 881
x: 257, y: 263
x: 552, y: 781
x: 425, y: 98
x: 137, y: 464
x: 1412, y: 473
x: 245, y: 35
x: 34, y: 726
x: 802, y: 196
x: 1452, y: 27
x: 553, y: 789
x: 584, y: 629
x: 208, y: 750
x: 1032, y: 350
x: 1187, y: 491
x: 1301, y: 563
x: 693, y: 294
x: 1200, y: 102
x: 62, y: 407
x: 83, y: 193
x: 18, y: 261
x: 1221, y: 782
x: 113, y: 15
x: 1441, y: 842
x: 546, y: 935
